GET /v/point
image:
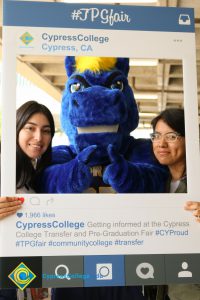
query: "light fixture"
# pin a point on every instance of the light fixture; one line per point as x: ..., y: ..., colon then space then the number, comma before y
x: 136, y: 62
x: 112, y: 1
x: 146, y: 96
x: 144, y: 125
x: 139, y: 1
x: 147, y: 115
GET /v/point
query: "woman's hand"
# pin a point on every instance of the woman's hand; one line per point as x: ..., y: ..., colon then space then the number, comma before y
x: 193, y: 206
x: 9, y: 206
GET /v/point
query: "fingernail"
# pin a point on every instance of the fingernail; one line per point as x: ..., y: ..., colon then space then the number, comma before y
x: 188, y: 202
x: 21, y: 199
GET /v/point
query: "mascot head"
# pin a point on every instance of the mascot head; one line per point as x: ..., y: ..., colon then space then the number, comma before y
x: 98, y: 106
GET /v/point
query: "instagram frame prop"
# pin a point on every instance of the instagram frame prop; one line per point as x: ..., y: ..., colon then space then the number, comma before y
x: 99, y: 236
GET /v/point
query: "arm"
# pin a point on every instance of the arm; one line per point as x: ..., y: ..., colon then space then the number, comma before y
x: 62, y: 154
x: 134, y: 177
x: 73, y: 176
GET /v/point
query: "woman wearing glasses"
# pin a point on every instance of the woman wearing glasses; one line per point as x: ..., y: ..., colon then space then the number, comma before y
x: 168, y: 139
x: 169, y: 147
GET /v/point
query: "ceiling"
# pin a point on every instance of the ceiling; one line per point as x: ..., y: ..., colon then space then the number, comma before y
x: 156, y: 87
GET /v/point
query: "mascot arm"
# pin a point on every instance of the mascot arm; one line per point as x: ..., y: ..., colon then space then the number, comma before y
x: 128, y: 177
x: 62, y: 154
x: 71, y: 177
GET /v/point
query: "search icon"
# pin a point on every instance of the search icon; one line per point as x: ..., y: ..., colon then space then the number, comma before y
x: 66, y: 275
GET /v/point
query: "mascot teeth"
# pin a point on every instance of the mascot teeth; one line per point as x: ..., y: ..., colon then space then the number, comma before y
x: 98, y: 129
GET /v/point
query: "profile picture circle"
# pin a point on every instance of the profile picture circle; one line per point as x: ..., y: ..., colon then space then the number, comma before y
x: 21, y: 275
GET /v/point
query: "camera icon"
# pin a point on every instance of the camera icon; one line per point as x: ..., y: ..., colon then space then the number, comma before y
x: 104, y: 271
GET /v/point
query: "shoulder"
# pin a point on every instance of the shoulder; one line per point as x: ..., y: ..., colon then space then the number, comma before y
x: 25, y: 190
x: 140, y: 150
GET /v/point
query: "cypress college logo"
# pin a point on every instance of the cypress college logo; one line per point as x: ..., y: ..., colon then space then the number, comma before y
x: 22, y: 276
x: 26, y: 38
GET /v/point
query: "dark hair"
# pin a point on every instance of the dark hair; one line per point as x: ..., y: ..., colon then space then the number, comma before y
x: 173, y: 117
x: 25, y: 173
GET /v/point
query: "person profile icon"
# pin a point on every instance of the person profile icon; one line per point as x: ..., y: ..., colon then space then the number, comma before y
x: 184, y: 272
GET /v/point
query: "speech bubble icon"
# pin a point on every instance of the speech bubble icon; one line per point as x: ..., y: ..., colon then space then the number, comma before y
x: 35, y: 201
x: 145, y: 271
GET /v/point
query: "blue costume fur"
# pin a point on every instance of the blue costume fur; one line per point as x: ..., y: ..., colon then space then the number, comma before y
x: 98, y: 113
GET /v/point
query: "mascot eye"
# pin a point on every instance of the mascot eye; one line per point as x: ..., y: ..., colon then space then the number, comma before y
x: 117, y: 85
x: 75, y: 87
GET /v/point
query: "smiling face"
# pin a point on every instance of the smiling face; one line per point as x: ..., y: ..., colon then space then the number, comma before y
x: 171, y: 154
x: 35, y: 137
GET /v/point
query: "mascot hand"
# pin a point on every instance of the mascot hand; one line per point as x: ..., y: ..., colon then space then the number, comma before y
x: 86, y: 154
x: 127, y: 177
x: 79, y: 175
x: 73, y: 176
x: 116, y: 173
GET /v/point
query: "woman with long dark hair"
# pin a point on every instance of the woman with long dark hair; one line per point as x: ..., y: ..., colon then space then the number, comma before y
x: 35, y: 130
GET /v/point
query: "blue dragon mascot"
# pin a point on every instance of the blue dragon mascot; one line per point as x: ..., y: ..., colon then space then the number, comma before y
x: 98, y: 113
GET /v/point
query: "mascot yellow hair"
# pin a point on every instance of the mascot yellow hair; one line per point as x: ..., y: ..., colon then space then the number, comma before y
x: 94, y: 64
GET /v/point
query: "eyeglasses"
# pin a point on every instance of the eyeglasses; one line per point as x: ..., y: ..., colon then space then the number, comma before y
x: 169, y: 137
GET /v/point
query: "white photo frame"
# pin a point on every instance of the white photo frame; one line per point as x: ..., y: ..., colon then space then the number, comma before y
x: 173, y: 40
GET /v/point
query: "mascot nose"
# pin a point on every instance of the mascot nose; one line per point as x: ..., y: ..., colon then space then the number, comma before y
x: 105, y: 98
x: 75, y: 103
x: 97, y: 106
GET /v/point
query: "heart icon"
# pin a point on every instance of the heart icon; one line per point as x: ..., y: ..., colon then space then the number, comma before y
x: 20, y: 215
x: 145, y: 270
